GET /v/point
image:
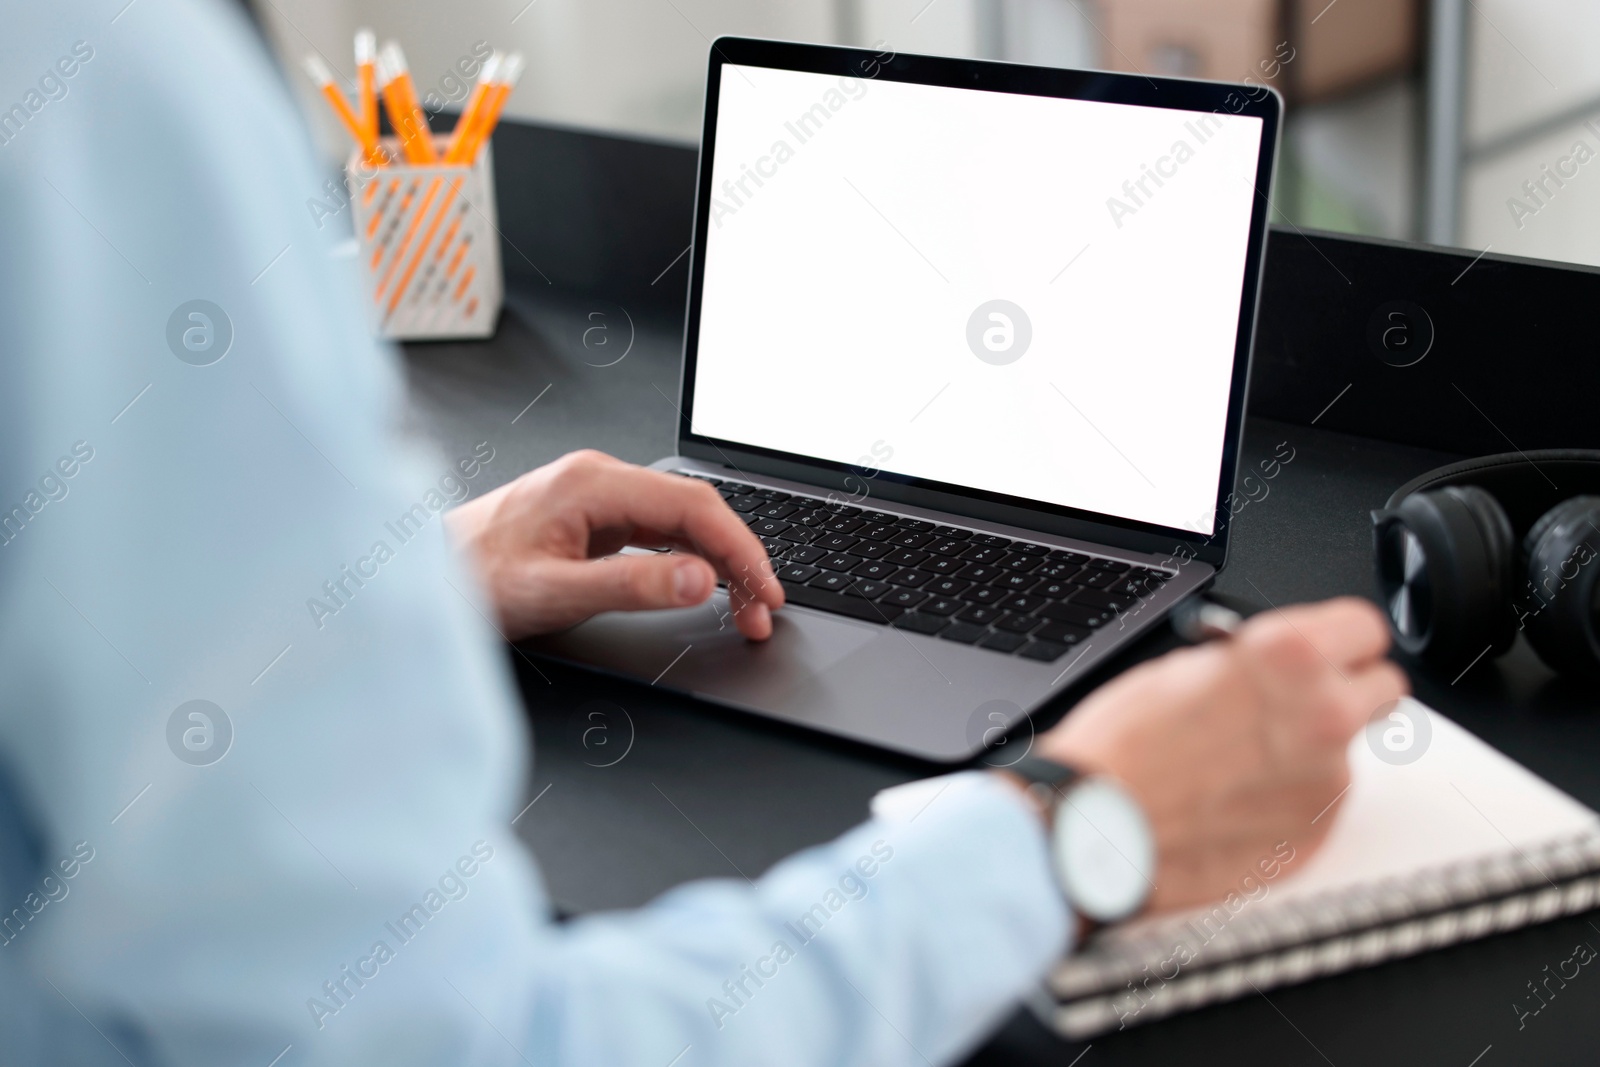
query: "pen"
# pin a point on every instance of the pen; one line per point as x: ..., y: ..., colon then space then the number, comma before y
x: 1198, y: 620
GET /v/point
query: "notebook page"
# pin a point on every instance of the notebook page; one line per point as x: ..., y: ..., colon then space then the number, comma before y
x: 1461, y: 800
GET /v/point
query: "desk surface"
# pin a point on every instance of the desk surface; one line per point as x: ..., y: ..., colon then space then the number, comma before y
x: 692, y: 791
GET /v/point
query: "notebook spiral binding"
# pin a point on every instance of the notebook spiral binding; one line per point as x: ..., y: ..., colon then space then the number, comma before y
x: 1122, y: 979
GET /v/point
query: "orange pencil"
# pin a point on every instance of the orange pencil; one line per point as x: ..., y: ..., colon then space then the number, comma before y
x: 474, y: 126
x: 398, y: 116
x: 483, y: 128
x: 473, y: 109
x: 473, y: 129
x: 366, y: 75
x: 319, y: 72
x: 400, y: 95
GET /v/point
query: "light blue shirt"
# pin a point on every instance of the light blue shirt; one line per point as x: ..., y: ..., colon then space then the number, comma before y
x: 343, y: 885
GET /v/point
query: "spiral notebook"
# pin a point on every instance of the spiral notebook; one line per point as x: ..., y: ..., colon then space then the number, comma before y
x: 1459, y: 844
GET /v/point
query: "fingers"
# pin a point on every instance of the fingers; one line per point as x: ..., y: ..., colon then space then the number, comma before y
x: 614, y: 494
x: 627, y: 583
x: 1322, y: 667
x: 1345, y: 632
x: 752, y: 615
x: 1369, y: 690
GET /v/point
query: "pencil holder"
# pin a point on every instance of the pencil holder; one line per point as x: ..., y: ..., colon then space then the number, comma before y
x: 430, y: 245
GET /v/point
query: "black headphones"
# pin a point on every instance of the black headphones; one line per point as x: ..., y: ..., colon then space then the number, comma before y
x: 1471, y: 553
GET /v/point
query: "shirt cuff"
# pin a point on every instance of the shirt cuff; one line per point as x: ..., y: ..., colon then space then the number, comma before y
x: 987, y: 814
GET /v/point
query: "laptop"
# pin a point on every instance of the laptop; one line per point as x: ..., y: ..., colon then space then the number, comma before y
x: 967, y: 346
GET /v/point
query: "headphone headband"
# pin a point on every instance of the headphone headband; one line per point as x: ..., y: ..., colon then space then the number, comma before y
x: 1527, y: 484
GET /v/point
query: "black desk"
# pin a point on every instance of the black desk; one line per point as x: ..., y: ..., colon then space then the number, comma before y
x: 703, y: 793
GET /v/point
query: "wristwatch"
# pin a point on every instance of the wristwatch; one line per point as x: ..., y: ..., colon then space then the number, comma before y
x: 1103, y: 850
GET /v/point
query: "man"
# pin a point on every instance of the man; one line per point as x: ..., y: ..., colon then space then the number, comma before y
x: 256, y: 772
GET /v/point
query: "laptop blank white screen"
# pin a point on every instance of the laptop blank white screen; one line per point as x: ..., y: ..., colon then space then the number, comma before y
x: 1026, y: 295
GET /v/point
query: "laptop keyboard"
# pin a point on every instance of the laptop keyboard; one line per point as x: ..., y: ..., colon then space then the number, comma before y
x: 1011, y: 597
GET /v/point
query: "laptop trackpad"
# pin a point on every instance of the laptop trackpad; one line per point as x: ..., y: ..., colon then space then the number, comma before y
x: 700, y: 651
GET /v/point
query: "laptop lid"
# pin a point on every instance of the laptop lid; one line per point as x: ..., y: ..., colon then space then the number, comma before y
x: 1017, y: 293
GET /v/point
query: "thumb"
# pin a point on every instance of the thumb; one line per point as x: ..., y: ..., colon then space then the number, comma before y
x: 630, y: 582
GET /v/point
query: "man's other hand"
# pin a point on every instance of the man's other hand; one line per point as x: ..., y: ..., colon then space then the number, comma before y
x: 1238, y: 745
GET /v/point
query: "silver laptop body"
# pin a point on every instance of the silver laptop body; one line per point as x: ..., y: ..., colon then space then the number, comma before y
x: 963, y: 529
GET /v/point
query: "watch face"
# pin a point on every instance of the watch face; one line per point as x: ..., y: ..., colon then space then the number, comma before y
x: 1105, y: 854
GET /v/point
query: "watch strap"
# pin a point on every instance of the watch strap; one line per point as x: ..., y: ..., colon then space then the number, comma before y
x: 1041, y: 771
x: 1047, y: 780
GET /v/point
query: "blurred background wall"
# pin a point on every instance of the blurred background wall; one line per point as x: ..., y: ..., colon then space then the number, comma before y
x: 1417, y: 119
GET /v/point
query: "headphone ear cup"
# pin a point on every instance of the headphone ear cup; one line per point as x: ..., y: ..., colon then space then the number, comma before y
x: 1501, y: 557
x: 1558, y: 609
x: 1445, y: 561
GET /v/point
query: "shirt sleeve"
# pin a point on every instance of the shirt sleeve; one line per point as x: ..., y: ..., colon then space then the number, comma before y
x: 262, y: 734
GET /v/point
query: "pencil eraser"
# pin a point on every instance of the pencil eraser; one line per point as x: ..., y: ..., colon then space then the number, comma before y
x: 394, y: 58
x: 366, y: 46
x: 511, y: 69
x: 318, y: 70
